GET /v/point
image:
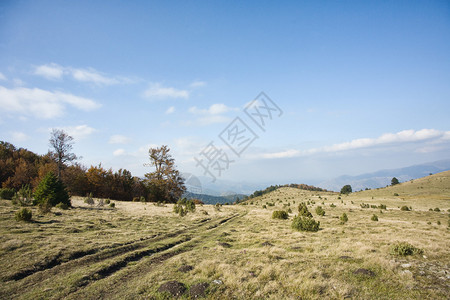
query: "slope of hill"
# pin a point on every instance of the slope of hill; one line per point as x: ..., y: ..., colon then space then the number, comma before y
x: 383, y: 178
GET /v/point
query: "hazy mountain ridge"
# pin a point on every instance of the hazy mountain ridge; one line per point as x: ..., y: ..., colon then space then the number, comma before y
x: 383, y: 178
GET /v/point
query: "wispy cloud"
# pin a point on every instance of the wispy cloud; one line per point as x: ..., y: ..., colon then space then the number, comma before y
x: 119, y: 139
x: 54, y: 71
x: 158, y: 91
x: 170, y: 110
x: 119, y: 152
x: 425, y: 136
x: 2, y: 76
x: 197, y: 84
x: 18, y: 136
x: 79, y: 132
x: 50, y: 71
x: 212, y: 114
x: 40, y: 103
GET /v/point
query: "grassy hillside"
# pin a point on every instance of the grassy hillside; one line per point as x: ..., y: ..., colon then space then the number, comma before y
x: 239, y: 252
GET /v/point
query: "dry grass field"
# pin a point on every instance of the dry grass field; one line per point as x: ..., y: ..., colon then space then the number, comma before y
x: 239, y: 252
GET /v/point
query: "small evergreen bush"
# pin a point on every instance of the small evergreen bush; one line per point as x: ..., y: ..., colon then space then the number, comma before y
x: 382, y: 206
x: 89, y: 200
x: 107, y: 201
x: 280, y: 214
x: 52, y: 191
x: 112, y: 205
x: 374, y: 218
x: 7, y: 194
x: 320, y: 211
x: 344, y: 218
x: 303, y: 210
x: 404, y: 249
x: 405, y: 208
x: 305, y: 224
x: 332, y: 205
x: 437, y: 209
x: 23, y: 214
x: 61, y: 205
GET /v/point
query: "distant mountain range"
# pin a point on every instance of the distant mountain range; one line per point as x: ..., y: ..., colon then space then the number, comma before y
x: 209, y: 199
x: 383, y: 178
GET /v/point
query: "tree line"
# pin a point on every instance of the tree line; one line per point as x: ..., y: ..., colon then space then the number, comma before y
x: 23, y: 168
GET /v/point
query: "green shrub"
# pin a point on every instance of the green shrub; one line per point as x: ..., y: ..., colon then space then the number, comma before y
x: 332, y: 205
x: 305, y: 224
x: 61, y: 205
x: 396, y: 194
x: 112, y: 205
x: 344, y: 218
x: 24, y: 196
x: 437, y: 209
x: 320, y: 211
x: 405, y: 208
x: 404, y: 249
x: 52, y: 191
x: 136, y: 199
x: 107, y: 201
x: 374, y: 218
x: 280, y: 214
x: 7, y: 194
x: 45, y: 207
x: 264, y: 206
x: 89, y: 200
x: 289, y: 210
x: 382, y: 206
x: 23, y: 214
x: 183, y: 206
x: 363, y: 205
x: 303, y: 210
x: 438, y: 222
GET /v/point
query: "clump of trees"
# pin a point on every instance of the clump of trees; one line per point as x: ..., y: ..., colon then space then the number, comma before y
x: 346, y: 189
x: 394, y: 181
x: 22, y: 168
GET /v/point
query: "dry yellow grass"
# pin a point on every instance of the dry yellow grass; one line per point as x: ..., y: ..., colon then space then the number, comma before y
x: 128, y: 252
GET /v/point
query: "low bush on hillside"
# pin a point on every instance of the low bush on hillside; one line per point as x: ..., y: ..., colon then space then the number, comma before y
x: 61, y: 205
x: 374, y: 218
x: 305, y: 224
x: 89, y: 200
x: 405, y: 208
x: 7, y: 194
x: 332, y: 205
x: 320, y: 211
x: 437, y: 209
x: 23, y: 214
x: 344, y: 218
x: 303, y: 210
x: 382, y: 206
x: 404, y: 249
x: 280, y: 214
x: 112, y: 205
x: 183, y: 206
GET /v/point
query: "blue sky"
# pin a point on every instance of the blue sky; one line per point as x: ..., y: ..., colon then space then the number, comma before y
x: 361, y: 85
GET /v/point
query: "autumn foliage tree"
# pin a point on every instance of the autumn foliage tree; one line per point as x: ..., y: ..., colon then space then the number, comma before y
x: 165, y: 183
x: 62, y: 145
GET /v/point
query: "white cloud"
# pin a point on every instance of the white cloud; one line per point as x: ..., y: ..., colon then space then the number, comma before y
x: 211, y: 115
x: 197, y: 84
x: 79, y: 132
x: 41, y: 103
x: 90, y: 75
x: 214, y: 109
x: 119, y: 139
x: 19, y: 136
x: 50, y: 71
x: 170, y: 110
x: 157, y: 91
x: 119, y: 152
x: 426, y: 136
x: 2, y: 77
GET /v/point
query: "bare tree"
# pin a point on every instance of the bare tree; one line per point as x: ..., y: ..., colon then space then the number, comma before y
x: 61, y: 144
x: 165, y: 182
